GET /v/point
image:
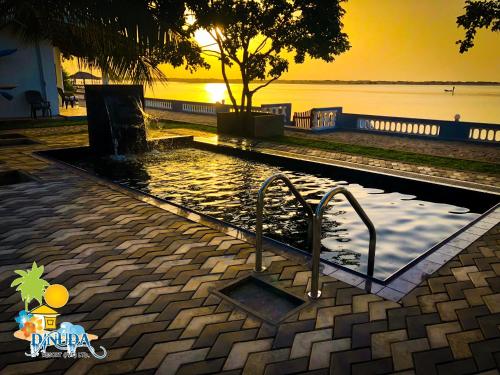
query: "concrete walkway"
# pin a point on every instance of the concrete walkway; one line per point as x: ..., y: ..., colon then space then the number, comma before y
x: 140, y: 278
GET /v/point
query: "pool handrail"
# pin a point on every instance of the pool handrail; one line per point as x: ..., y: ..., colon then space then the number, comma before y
x: 260, y: 212
x: 315, y: 293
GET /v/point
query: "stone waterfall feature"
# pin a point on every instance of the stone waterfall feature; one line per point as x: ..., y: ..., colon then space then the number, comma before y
x: 116, y: 121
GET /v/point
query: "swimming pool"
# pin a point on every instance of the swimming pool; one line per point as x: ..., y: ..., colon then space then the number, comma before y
x: 223, y: 184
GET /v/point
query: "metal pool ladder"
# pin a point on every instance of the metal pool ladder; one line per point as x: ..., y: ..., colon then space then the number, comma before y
x: 316, y: 218
x: 260, y: 212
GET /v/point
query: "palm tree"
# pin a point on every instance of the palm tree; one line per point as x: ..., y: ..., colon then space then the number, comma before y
x: 125, y: 39
x: 30, y: 284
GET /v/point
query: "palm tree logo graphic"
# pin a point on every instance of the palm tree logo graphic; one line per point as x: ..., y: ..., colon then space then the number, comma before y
x: 31, y: 285
x: 39, y: 323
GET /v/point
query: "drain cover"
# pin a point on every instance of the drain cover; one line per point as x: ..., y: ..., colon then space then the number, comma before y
x: 262, y: 299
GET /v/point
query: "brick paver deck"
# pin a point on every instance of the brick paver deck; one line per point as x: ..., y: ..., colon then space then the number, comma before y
x: 140, y: 278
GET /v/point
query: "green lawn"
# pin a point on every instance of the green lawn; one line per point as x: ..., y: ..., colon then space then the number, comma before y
x: 167, y: 124
x: 42, y: 123
x: 394, y: 155
x: 373, y: 152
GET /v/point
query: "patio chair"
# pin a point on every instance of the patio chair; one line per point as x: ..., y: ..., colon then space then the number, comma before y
x: 37, y: 103
x: 67, y: 98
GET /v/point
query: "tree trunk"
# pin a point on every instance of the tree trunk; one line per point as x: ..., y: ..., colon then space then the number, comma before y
x: 249, y: 101
x: 224, y: 75
x: 105, y: 78
x: 244, y: 95
x: 230, y: 93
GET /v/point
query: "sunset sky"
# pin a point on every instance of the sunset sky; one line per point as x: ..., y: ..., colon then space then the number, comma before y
x: 395, y: 40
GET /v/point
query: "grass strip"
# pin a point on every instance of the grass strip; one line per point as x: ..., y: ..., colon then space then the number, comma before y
x: 36, y: 124
x: 167, y: 124
x: 393, y: 155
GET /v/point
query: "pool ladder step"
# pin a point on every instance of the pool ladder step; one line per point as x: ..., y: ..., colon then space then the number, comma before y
x: 315, y: 218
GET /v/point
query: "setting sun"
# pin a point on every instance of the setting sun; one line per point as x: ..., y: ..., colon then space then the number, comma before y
x: 204, y: 39
x: 56, y: 296
x: 216, y: 91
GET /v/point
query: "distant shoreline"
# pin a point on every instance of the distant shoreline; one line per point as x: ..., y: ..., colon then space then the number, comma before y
x: 339, y: 82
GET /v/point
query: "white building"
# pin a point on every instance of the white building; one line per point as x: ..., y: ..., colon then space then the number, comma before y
x: 31, y: 67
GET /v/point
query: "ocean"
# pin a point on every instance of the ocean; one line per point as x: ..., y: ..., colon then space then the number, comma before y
x: 473, y: 103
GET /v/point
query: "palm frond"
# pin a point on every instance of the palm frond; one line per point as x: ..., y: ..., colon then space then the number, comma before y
x: 126, y: 39
x: 17, y: 281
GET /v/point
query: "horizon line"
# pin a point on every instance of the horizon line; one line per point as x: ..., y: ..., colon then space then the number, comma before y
x: 331, y: 81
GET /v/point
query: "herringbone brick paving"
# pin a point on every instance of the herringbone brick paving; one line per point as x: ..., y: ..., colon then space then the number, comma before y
x: 140, y: 278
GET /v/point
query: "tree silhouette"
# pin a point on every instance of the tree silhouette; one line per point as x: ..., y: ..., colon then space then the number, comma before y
x: 478, y: 15
x: 259, y: 37
x: 30, y: 284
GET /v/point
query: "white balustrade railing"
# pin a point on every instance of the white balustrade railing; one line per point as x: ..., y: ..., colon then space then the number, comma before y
x: 158, y: 104
x: 277, y: 110
x: 317, y: 118
x: 333, y: 118
x: 324, y: 118
x: 211, y: 108
x: 484, y: 134
x: 399, y: 126
x: 205, y: 109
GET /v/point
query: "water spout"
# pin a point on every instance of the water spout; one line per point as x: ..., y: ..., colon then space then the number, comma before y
x: 117, y: 121
x: 110, y: 122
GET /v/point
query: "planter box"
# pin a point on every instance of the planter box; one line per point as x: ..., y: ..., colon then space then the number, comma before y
x: 254, y: 125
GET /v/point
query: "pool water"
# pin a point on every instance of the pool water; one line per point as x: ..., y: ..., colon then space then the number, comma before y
x: 225, y: 187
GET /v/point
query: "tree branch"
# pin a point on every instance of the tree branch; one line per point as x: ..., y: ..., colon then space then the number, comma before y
x: 211, y: 53
x: 261, y: 45
x: 232, y: 56
x: 264, y: 85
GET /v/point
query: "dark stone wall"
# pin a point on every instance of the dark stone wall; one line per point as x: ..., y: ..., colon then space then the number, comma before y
x: 115, y: 119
